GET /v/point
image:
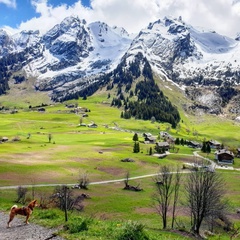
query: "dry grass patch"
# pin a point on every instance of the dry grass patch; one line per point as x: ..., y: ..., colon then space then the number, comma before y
x: 31, y: 179
x: 107, y: 216
x: 112, y: 170
x: 145, y: 210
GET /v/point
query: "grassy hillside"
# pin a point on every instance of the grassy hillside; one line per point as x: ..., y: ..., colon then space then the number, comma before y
x: 74, y: 150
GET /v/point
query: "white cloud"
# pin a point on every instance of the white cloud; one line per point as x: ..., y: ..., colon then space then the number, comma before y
x: 50, y: 16
x: 221, y: 15
x: 9, y: 3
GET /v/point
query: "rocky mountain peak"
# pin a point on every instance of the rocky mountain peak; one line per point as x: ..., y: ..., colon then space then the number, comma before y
x: 74, y: 53
x: 26, y: 38
x: 7, y: 44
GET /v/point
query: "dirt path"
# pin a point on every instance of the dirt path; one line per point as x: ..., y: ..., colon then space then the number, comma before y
x: 20, y: 231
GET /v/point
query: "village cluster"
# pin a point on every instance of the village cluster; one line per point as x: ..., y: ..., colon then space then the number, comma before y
x: 223, y: 156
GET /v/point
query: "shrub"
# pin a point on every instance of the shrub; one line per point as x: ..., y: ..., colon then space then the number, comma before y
x: 78, y: 224
x: 49, y: 214
x: 132, y: 231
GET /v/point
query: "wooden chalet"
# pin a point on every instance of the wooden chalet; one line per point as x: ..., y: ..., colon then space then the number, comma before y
x: 238, y: 152
x: 224, y: 156
x: 167, y: 137
x: 162, y: 147
x: 194, y: 144
x: 214, y: 144
x: 145, y: 135
x: 150, y: 140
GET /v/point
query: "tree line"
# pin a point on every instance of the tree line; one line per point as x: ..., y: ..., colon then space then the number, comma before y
x: 149, y: 101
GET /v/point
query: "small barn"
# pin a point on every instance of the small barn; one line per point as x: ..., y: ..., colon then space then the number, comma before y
x: 150, y: 139
x: 162, y: 147
x: 238, y: 153
x: 214, y: 144
x: 194, y: 144
x: 224, y: 156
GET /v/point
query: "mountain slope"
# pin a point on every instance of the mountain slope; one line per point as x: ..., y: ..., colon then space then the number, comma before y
x: 193, y: 59
x: 181, y: 52
x: 75, y: 58
x: 70, y: 50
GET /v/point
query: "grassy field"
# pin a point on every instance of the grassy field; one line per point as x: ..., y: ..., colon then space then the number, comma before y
x: 75, y: 150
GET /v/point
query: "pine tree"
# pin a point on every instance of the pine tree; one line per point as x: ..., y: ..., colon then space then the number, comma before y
x: 208, y: 149
x: 150, y: 151
x: 204, y: 147
x: 135, y: 137
x: 136, y: 147
x: 177, y: 141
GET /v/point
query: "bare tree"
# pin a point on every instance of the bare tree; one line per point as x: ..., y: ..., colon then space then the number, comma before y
x: 205, y: 191
x: 162, y: 197
x: 177, y: 183
x: 33, y: 189
x: 130, y: 187
x: 126, y: 180
x: 83, y: 181
x: 21, y: 193
x: 64, y: 198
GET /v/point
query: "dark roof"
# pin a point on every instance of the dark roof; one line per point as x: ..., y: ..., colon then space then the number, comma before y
x: 224, y: 151
x: 151, y: 138
x: 194, y: 143
x: 214, y: 142
x: 147, y: 134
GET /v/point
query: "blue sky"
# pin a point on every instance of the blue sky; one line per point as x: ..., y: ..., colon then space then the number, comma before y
x: 223, y: 16
x: 14, y: 12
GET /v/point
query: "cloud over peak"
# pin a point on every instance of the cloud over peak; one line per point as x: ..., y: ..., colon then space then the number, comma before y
x: 221, y: 15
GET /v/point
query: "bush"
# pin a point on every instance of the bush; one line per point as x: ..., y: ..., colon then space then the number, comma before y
x: 132, y: 231
x: 78, y: 224
x: 48, y: 214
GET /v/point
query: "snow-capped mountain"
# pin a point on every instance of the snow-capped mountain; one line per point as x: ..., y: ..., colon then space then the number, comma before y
x: 7, y: 44
x: 74, y: 54
x: 204, y: 63
x: 70, y: 50
x: 187, y: 55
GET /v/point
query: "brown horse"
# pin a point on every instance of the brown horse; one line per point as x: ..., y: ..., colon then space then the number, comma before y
x: 25, y: 211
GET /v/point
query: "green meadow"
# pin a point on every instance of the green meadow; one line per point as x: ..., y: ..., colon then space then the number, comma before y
x: 74, y: 150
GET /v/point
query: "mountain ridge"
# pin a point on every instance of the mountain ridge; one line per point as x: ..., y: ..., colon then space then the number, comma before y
x: 74, y: 56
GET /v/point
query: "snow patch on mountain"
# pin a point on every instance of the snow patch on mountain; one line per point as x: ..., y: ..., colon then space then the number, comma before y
x: 188, y: 55
x: 26, y: 39
x: 73, y: 46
